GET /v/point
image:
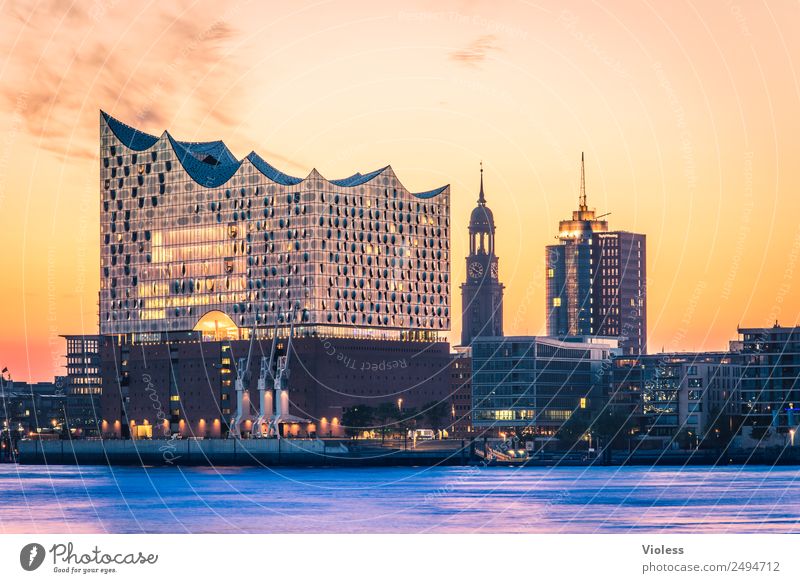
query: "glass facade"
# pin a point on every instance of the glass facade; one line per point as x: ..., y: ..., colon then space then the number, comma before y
x: 596, y: 283
x: 534, y: 382
x: 769, y: 382
x: 83, y: 365
x: 569, y: 289
x: 668, y: 394
x: 187, y: 230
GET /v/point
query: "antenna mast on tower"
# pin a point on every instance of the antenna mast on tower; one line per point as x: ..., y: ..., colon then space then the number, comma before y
x: 582, y: 202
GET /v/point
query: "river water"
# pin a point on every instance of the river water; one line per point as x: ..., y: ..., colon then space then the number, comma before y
x: 69, y: 499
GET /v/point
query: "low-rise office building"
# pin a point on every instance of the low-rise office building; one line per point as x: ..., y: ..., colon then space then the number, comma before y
x: 769, y: 386
x: 33, y: 408
x: 683, y: 399
x: 83, y: 383
x: 533, y: 384
x: 673, y: 399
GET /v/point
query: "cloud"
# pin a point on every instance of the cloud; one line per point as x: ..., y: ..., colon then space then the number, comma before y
x: 145, y: 67
x: 476, y: 52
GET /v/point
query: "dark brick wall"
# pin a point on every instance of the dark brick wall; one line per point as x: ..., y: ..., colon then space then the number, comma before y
x: 327, y: 375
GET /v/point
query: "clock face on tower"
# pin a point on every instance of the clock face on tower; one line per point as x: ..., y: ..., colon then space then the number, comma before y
x: 475, y: 269
x: 494, y: 271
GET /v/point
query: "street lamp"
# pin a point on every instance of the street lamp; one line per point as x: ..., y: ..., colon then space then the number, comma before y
x: 791, y: 436
x: 400, y: 405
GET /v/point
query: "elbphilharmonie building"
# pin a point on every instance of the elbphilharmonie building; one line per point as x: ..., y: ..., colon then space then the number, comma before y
x: 210, y: 263
x: 193, y: 239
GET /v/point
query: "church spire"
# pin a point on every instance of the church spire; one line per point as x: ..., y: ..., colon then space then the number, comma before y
x: 582, y: 200
x: 481, y: 196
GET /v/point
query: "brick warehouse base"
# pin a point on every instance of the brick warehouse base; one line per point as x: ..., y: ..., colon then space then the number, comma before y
x: 187, y: 386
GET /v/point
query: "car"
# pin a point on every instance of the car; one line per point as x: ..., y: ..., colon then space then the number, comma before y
x: 422, y: 434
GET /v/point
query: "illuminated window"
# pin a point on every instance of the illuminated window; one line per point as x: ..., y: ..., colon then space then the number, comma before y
x: 144, y: 431
x: 551, y: 272
x: 583, y: 402
x: 556, y: 302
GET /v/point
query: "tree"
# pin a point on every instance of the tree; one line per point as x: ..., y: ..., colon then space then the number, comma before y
x: 574, y: 428
x: 611, y: 426
x: 721, y: 429
x: 407, y: 419
x: 607, y: 426
x: 435, y: 414
x: 356, y: 419
x: 686, y: 438
x: 384, y: 414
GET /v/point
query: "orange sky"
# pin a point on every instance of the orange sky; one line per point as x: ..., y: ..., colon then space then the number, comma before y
x: 688, y: 114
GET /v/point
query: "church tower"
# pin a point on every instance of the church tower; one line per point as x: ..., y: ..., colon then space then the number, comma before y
x: 482, y: 293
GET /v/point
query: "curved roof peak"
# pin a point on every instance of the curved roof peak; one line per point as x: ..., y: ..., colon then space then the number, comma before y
x: 201, y: 166
x: 358, y: 179
x: 314, y: 174
x: 132, y: 138
x: 212, y: 164
x: 271, y: 172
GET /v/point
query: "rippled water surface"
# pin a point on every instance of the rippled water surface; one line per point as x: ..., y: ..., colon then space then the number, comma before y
x: 461, y: 500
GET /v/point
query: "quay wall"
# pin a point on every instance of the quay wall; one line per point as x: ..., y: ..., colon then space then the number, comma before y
x: 232, y: 452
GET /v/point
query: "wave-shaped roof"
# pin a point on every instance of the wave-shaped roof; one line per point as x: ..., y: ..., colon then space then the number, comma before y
x: 204, y: 173
x: 271, y: 172
x: 358, y: 178
x: 131, y: 137
x: 211, y: 152
x: 431, y: 193
x: 211, y: 164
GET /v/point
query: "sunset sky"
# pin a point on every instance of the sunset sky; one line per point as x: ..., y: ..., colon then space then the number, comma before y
x: 687, y: 112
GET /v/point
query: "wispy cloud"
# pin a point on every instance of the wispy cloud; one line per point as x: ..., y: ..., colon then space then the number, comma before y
x: 476, y: 52
x: 146, y: 67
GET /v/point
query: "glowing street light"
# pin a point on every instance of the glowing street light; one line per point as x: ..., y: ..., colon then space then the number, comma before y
x: 791, y: 436
x: 400, y: 404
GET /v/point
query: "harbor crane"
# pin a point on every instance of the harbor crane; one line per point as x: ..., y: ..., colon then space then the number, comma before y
x: 242, y: 376
x: 273, y: 398
x: 281, y: 384
x: 265, y: 405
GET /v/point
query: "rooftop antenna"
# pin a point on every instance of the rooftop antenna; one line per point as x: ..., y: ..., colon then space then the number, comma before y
x: 582, y: 201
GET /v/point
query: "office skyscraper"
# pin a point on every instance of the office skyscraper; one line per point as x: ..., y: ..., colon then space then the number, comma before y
x: 596, y: 280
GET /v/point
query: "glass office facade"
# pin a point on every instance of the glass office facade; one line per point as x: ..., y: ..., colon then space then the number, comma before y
x: 534, y: 382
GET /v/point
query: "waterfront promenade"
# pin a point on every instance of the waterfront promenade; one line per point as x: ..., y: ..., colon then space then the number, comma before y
x: 357, y: 453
